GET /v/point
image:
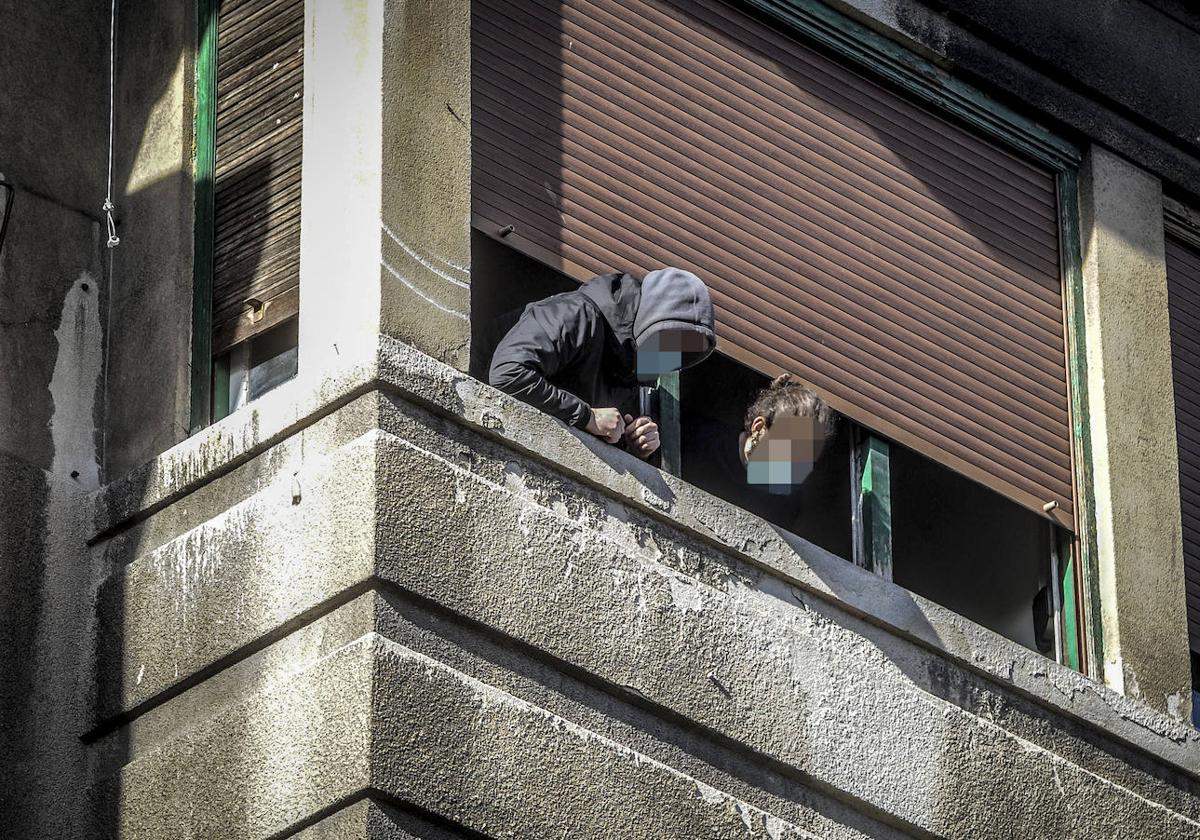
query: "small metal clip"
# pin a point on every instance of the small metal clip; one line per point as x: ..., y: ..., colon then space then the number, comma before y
x: 257, y: 309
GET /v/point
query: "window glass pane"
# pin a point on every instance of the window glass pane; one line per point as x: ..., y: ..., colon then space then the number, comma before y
x: 972, y: 550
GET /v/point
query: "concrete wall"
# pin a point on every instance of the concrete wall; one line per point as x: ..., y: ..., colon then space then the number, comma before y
x: 434, y: 612
x: 385, y: 601
x: 53, y: 302
x: 52, y: 142
x: 386, y: 192
x: 1135, y: 464
x: 149, y: 342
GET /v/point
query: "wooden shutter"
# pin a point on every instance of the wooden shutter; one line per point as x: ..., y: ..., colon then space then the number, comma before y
x: 1183, y: 292
x: 260, y: 65
x: 904, y: 266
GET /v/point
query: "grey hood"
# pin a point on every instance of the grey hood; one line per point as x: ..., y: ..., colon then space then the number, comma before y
x: 675, y: 299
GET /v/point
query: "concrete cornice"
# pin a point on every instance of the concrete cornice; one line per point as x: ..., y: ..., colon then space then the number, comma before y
x: 794, y: 567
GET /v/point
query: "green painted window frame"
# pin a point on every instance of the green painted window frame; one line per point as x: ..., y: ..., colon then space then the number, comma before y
x: 204, y: 164
x: 871, y: 502
x: 945, y: 94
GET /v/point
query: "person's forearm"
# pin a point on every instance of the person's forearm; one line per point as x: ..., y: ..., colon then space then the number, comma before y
x: 531, y: 387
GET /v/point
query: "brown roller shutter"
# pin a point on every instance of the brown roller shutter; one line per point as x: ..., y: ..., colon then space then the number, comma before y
x: 904, y: 266
x: 260, y: 66
x: 1183, y: 289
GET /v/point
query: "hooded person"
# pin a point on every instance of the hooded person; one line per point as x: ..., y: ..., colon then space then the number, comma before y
x: 580, y: 355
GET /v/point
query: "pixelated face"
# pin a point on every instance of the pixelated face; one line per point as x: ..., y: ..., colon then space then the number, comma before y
x: 785, y: 453
x: 664, y: 351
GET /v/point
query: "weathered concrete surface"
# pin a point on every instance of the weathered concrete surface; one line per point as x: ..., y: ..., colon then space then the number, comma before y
x: 236, y: 578
x: 53, y: 86
x: 369, y: 819
x: 51, y: 338
x: 578, y: 627
x: 641, y: 488
x: 1060, y: 62
x: 1134, y: 458
x: 427, y: 176
x: 151, y: 285
x: 44, y: 585
x: 275, y: 759
x: 387, y: 178
x: 486, y: 762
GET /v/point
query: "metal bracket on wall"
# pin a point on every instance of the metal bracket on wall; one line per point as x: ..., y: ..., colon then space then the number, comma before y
x: 871, y: 503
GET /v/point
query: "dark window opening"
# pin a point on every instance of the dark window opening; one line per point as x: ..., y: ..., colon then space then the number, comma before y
x: 503, y: 282
x: 714, y: 396
x: 1196, y: 689
x: 953, y: 540
x: 970, y: 549
x: 248, y: 370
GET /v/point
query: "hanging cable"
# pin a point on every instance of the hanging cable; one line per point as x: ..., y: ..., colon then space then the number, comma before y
x: 109, y: 207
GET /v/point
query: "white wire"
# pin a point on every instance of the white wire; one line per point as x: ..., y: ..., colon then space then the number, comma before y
x: 109, y: 207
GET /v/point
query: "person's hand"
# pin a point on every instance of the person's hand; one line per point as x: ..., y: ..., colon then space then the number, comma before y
x: 606, y: 423
x: 641, y: 436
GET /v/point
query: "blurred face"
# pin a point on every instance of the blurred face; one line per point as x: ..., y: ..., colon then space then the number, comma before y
x: 782, y: 456
x: 665, y: 350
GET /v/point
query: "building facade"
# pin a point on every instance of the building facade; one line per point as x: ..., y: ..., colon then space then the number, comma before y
x: 276, y: 563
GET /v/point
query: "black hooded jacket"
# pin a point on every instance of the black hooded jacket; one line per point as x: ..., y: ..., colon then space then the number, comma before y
x: 578, y: 350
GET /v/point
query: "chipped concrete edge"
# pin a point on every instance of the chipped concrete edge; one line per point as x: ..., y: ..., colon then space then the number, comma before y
x: 421, y: 379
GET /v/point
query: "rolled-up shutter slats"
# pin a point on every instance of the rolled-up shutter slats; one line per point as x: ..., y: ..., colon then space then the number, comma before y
x: 904, y: 266
x: 260, y: 70
x: 1183, y: 288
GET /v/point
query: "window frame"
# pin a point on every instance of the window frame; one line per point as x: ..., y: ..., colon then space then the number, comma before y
x: 209, y: 375
x: 203, y: 177
x: 1074, y: 558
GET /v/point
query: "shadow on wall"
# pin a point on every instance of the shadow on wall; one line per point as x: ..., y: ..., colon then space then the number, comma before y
x: 149, y: 344
x: 140, y: 296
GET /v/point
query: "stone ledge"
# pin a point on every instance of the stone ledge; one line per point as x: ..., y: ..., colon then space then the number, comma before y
x: 255, y: 770
x: 656, y: 614
x: 483, y: 759
x: 434, y: 636
x: 181, y: 608
x: 374, y: 819
x: 661, y: 617
x: 415, y: 377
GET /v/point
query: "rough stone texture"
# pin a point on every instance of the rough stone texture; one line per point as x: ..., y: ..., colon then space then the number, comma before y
x: 552, y: 649
x: 274, y: 759
x: 53, y: 123
x: 1135, y: 462
x: 148, y: 363
x: 44, y: 583
x: 638, y: 486
x: 51, y: 337
x: 236, y: 578
x: 369, y: 819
